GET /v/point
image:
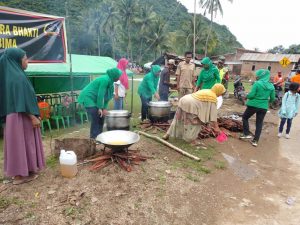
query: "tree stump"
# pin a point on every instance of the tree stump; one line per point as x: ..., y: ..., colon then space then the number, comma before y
x: 83, y: 147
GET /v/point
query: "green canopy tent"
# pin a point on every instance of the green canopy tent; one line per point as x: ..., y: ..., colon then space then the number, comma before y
x: 55, y: 77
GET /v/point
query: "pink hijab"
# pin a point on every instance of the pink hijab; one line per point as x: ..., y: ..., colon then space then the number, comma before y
x: 122, y: 64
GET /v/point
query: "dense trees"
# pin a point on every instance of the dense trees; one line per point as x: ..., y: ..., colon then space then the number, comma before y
x: 211, y: 7
x: 137, y: 29
x: 293, y: 49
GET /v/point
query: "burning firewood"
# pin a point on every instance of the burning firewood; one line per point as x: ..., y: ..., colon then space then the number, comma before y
x: 124, y: 159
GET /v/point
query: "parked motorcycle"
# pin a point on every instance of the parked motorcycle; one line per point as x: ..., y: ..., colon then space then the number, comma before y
x: 278, y: 98
x: 239, y: 89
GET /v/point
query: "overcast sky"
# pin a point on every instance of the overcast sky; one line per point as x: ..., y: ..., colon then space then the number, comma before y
x: 261, y: 24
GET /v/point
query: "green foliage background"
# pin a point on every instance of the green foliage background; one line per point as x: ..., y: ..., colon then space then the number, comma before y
x: 136, y: 29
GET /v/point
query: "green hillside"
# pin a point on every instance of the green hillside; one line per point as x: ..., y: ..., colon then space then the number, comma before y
x: 137, y: 29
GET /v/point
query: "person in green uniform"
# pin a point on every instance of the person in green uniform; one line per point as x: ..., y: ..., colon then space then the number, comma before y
x: 95, y: 97
x: 209, y: 76
x: 148, y: 88
x: 262, y: 92
x: 224, y: 73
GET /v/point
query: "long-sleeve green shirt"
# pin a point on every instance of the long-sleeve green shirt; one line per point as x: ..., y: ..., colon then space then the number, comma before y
x: 148, y: 86
x: 260, y: 95
x: 208, y: 78
x: 95, y: 94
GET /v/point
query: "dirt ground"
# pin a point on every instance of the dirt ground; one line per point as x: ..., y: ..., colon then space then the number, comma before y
x: 240, y: 185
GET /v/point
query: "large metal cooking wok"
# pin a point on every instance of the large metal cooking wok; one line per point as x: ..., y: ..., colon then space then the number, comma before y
x: 118, y: 140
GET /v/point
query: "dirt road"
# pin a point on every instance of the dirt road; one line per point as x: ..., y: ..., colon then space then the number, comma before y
x: 273, y: 197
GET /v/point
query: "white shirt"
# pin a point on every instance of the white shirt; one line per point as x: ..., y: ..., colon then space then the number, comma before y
x: 121, y: 89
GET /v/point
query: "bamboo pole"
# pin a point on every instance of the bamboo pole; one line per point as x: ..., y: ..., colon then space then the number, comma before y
x: 170, y: 145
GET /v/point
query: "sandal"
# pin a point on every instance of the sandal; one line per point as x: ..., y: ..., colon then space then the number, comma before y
x: 25, y: 179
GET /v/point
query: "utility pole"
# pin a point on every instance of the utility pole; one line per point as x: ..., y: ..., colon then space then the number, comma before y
x: 194, y: 40
x: 70, y: 59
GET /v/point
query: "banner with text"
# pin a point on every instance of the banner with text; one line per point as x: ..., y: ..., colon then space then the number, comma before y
x: 41, y: 36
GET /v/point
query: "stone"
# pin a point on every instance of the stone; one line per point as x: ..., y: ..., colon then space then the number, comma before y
x: 51, y: 192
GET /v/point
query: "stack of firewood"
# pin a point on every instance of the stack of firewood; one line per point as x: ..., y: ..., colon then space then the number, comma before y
x: 226, y: 124
x: 230, y: 124
x: 207, y: 131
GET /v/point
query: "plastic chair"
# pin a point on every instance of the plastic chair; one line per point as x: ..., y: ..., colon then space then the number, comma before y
x: 82, y: 113
x: 45, y: 115
x: 48, y: 99
x: 68, y: 113
x: 74, y: 96
x: 56, y: 98
x: 57, y: 115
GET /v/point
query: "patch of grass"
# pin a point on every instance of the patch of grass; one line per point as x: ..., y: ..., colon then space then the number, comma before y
x: 192, y: 178
x: 52, y: 161
x: 70, y: 211
x: 17, y: 201
x: 30, y: 215
x: 203, y: 154
x: 192, y: 164
x: 55, y: 133
x: 197, y: 166
x: 220, y: 165
x: 247, y: 86
x: 134, y: 122
x: 6, y: 202
x: 162, y: 179
x: 136, y: 109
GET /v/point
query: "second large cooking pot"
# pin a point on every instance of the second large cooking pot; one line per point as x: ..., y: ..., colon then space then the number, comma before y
x: 118, y: 120
x: 159, y: 110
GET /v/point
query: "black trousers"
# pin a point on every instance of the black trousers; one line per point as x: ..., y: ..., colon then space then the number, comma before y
x: 288, y: 127
x: 145, y: 101
x: 97, y: 122
x: 260, y: 115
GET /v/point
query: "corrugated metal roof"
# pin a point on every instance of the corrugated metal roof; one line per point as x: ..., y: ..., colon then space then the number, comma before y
x: 268, y: 57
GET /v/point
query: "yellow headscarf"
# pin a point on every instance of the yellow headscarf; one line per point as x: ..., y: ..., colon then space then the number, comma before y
x: 218, y: 89
x: 209, y: 95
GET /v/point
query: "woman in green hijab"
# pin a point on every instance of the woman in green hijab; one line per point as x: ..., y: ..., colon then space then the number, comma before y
x: 23, y: 149
x: 209, y: 75
x: 95, y: 97
x: 262, y: 92
x: 148, y: 88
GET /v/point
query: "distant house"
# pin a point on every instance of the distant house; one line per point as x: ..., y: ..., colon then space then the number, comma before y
x: 254, y: 61
x: 232, y: 60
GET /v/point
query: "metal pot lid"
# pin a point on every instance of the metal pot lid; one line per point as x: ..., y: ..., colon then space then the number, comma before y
x: 117, y: 113
x: 160, y: 104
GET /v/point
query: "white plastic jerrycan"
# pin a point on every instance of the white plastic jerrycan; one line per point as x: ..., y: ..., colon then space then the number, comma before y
x: 68, y: 163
